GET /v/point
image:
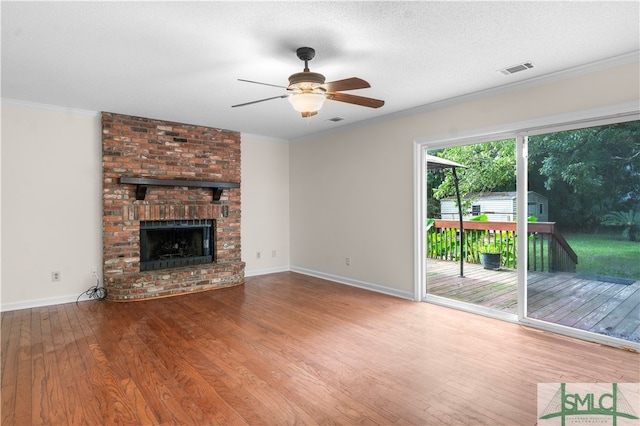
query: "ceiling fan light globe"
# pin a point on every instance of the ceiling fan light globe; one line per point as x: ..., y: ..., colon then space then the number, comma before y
x: 307, y: 102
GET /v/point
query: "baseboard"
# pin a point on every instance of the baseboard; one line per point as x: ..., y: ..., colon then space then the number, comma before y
x: 38, y: 303
x: 265, y: 271
x: 354, y: 283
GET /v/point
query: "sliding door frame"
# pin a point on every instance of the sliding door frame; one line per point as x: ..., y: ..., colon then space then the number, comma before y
x: 520, y: 132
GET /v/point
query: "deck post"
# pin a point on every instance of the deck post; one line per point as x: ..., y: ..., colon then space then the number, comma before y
x: 462, y: 239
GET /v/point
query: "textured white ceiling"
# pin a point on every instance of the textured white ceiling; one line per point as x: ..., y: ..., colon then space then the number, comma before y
x: 180, y: 61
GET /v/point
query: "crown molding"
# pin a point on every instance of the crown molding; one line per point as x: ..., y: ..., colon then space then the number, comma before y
x: 263, y: 138
x: 48, y: 107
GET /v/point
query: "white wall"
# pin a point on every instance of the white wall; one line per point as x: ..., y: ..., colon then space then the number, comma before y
x: 51, y: 204
x: 351, y: 196
x: 352, y: 192
x: 316, y: 201
x: 265, y: 204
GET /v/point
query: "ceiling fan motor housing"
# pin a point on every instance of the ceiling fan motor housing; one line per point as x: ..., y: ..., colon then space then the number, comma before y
x: 306, y: 81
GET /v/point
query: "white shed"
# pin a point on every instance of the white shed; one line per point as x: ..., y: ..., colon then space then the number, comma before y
x: 498, y: 206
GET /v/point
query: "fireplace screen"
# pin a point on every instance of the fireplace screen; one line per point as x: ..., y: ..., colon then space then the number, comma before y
x: 173, y: 243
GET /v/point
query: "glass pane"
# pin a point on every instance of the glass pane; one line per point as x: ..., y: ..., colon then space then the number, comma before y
x: 477, y: 265
x: 584, y: 249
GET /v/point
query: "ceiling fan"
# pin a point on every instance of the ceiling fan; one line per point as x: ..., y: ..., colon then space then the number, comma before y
x: 308, y: 91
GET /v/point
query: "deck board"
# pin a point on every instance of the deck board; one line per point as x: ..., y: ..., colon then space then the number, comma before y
x: 560, y: 298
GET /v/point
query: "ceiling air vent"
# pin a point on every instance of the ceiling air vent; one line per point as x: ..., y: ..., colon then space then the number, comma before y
x: 517, y: 68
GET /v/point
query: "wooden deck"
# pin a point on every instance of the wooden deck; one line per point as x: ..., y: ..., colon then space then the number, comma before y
x: 559, y: 298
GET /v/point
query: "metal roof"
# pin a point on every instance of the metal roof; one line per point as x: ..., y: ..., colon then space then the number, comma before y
x: 437, y: 163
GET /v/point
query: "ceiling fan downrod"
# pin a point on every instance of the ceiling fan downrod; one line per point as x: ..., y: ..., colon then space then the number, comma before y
x: 306, y: 54
x: 306, y: 80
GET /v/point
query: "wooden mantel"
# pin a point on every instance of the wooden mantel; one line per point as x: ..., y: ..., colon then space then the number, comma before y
x: 143, y: 183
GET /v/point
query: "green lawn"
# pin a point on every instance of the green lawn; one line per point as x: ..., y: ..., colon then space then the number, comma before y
x: 606, y: 255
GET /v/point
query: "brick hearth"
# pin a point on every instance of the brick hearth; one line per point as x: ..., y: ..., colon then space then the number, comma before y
x: 148, y: 148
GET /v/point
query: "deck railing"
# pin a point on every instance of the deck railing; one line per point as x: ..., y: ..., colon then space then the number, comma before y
x: 548, y: 250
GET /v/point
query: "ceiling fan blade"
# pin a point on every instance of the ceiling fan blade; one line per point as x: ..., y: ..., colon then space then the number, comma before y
x: 309, y: 114
x: 356, y: 100
x: 264, y: 84
x: 261, y: 100
x: 352, y: 83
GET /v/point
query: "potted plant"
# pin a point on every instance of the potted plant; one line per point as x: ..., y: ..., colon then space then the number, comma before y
x: 491, y: 253
x: 491, y: 260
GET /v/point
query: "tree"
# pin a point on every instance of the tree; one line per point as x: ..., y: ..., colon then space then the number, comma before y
x: 586, y: 173
x: 491, y: 166
x: 629, y: 221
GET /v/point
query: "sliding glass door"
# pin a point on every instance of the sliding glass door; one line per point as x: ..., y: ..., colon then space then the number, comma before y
x: 560, y: 209
x: 584, y: 253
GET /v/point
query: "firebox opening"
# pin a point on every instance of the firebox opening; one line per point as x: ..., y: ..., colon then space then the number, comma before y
x: 168, y: 244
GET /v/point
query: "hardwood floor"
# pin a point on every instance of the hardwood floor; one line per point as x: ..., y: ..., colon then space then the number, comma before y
x: 282, y: 349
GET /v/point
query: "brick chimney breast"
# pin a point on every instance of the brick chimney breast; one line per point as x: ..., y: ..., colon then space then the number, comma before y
x: 148, y: 148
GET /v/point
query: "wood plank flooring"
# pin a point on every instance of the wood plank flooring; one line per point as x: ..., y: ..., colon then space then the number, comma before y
x: 559, y: 297
x: 282, y: 349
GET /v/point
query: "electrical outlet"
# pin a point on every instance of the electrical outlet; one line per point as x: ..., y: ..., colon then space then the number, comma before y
x: 257, y: 255
x: 273, y: 253
x: 55, y: 276
x: 347, y: 261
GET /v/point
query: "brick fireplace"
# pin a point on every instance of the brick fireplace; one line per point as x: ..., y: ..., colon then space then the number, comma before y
x: 164, y: 172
